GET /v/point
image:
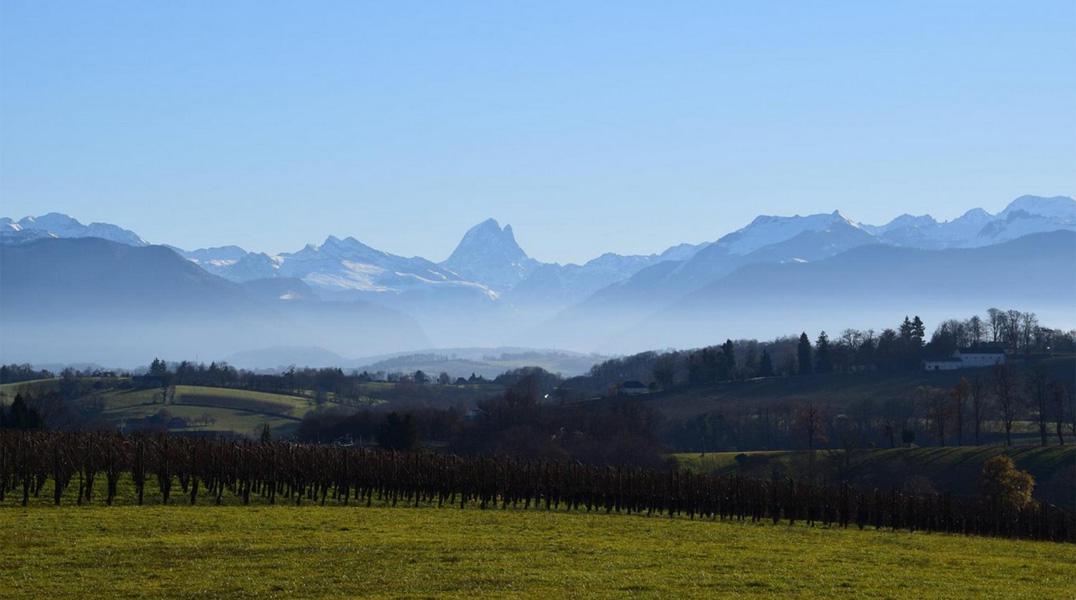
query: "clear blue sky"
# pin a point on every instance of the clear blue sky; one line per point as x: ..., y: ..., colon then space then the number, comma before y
x: 588, y: 126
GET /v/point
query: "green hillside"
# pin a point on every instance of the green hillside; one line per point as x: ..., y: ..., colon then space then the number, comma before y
x: 837, y: 389
x: 339, y: 552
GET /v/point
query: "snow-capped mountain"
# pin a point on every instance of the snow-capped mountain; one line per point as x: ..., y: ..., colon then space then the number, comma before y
x: 1023, y: 216
x: 349, y: 265
x: 489, y: 254
x: 251, y: 266
x: 63, y: 226
x: 766, y: 230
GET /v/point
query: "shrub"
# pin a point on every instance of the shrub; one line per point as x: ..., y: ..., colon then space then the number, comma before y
x: 1005, y: 486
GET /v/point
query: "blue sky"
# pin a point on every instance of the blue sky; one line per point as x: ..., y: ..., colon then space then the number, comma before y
x: 589, y: 127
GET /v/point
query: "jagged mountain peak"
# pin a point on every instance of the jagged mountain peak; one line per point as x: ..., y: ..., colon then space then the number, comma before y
x: 488, y: 236
x: 490, y: 255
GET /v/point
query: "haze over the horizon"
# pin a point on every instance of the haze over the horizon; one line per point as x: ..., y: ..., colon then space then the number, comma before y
x: 624, y: 128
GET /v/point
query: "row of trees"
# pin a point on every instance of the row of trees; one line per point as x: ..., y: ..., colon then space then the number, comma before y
x: 1004, y: 394
x: 205, y: 470
x: 321, y: 382
x: 986, y: 406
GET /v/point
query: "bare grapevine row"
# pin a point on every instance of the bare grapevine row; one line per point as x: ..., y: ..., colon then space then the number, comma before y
x: 192, y: 470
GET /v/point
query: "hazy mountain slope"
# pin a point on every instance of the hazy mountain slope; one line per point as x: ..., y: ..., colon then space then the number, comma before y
x: 65, y: 299
x: 82, y: 276
x: 610, y: 310
x: 557, y: 286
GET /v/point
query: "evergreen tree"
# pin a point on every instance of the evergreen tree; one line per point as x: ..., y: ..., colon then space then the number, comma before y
x: 918, y: 329
x: 765, y: 367
x: 398, y: 433
x: 906, y: 329
x: 158, y: 368
x: 267, y: 434
x: 803, y: 353
x: 22, y: 416
x: 823, y: 359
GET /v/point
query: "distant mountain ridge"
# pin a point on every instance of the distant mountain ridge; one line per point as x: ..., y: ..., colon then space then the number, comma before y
x: 489, y: 292
x: 488, y: 262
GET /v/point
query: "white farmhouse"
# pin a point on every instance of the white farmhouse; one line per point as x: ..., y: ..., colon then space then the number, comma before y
x: 984, y: 355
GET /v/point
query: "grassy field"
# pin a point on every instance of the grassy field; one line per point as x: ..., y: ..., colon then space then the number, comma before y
x: 238, y: 411
x: 338, y: 552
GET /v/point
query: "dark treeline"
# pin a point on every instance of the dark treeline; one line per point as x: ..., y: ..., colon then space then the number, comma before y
x: 14, y: 373
x: 192, y: 470
x: 323, y: 383
x: 902, y: 348
x: 298, y: 381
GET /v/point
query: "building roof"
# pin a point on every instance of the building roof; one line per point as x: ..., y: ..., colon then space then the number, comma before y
x: 984, y: 348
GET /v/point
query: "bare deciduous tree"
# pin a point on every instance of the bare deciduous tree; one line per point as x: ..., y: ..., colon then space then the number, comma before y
x: 978, y: 403
x: 960, y: 395
x: 810, y: 421
x: 1038, y: 395
x: 1058, y: 394
x: 935, y: 402
x: 1006, y: 393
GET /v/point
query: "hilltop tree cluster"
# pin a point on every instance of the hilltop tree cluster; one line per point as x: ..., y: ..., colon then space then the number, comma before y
x: 902, y: 348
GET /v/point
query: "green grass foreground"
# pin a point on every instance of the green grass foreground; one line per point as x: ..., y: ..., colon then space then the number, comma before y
x: 341, y: 552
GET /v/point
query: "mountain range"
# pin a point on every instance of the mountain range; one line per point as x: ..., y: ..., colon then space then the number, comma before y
x: 357, y: 300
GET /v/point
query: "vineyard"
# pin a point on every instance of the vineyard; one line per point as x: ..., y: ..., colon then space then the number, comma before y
x: 189, y: 470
